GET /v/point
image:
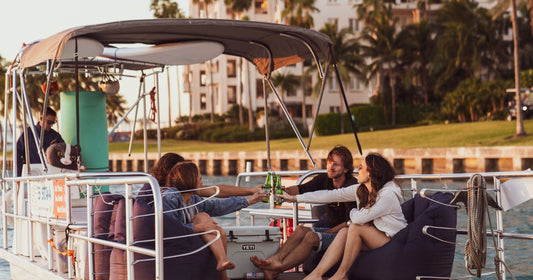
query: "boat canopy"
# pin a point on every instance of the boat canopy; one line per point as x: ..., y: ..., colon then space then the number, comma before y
x: 268, y: 46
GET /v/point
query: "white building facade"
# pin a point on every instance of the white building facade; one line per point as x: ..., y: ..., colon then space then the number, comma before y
x: 226, y: 81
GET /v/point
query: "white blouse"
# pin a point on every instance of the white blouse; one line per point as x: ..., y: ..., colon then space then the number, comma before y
x: 386, y: 213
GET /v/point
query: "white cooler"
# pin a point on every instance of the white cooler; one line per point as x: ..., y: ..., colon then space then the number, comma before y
x: 247, y: 241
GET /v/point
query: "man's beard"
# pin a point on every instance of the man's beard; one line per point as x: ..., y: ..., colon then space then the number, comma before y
x: 337, y: 176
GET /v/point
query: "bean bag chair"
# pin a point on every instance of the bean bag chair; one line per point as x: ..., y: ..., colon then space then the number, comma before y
x: 105, y: 209
x: 201, y: 265
x: 409, y: 253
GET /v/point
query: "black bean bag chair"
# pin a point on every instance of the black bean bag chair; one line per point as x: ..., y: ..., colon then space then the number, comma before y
x: 409, y: 253
x: 200, y: 265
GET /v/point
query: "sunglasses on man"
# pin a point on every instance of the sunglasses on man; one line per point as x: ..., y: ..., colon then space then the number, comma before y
x: 50, y: 122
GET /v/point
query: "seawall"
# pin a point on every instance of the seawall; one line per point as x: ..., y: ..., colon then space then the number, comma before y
x: 405, y: 161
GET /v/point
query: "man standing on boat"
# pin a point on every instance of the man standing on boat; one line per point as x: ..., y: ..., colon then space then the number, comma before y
x: 304, y: 239
x: 50, y: 137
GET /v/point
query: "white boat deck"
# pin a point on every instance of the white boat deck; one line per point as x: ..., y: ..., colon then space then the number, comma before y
x: 39, y: 267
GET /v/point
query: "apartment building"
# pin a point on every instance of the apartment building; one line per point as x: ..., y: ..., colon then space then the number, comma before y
x: 225, y: 81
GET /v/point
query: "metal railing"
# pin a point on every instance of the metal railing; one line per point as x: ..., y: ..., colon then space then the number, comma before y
x: 122, y: 183
x: 414, y: 182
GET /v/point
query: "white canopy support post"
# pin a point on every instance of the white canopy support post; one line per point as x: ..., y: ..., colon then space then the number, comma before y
x: 139, y: 96
x: 156, y: 79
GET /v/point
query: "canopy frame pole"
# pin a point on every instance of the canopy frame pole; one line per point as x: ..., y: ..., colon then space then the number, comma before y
x: 291, y: 122
x: 265, y: 96
x: 341, y: 87
x: 145, y: 132
x: 156, y: 78
x: 283, y: 107
x: 4, y: 160
x: 313, y: 53
x: 49, y: 72
x: 140, y: 95
x: 76, y: 73
x: 267, y: 132
x: 26, y: 111
x: 318, y: 105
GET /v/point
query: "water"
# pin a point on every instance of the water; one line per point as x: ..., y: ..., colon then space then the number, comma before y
x: 519, y: 253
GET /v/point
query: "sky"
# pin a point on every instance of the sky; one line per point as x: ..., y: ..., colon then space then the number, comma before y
x: 24, y: 21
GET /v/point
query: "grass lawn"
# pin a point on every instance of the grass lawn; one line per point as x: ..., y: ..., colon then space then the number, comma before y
x: 486, y: 133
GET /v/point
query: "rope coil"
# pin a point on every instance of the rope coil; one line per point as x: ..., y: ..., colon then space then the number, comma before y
x: 476, y: 244
x: 153, y: 108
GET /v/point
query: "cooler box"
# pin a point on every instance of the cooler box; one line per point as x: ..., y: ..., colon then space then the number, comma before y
x: 247, y: 241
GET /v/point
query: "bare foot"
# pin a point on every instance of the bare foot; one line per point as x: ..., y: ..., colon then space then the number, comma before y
x: 270, y: 274
x: 225, y: 265
x: 271, y: 264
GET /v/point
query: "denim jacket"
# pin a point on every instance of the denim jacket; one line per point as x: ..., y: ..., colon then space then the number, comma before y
x: 214, y: 207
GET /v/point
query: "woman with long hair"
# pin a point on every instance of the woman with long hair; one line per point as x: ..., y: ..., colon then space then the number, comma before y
x: 372, y: 224
x: 181, y: 203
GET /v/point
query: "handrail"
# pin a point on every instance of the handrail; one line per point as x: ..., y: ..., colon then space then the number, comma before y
x: 125, y: 180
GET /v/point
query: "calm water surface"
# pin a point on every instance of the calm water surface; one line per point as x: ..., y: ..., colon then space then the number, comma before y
x: 519, y: 253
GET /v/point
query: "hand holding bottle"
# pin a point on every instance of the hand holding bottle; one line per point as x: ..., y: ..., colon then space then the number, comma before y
x: 288, y: 197
x: 256, y: 197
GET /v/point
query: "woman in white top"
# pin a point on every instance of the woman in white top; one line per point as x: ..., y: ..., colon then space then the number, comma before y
x: 377, y: 218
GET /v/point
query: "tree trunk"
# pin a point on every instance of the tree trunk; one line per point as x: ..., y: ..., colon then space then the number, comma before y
x: 393, y: 97
x: 249, y: 82
x: 519, y: 116
x: 239, y: 91
x: 212, y: 86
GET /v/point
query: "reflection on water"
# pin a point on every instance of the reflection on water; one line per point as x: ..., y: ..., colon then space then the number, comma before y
x: 519, y: 253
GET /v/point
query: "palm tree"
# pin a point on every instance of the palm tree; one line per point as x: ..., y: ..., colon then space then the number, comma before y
x: 287, y: 82
x: 369, y: 10
x: 383, y: 46
x: 166, y: 9
x: 419, y: 48
x: 237, y: 7
x: 349, y: 62
x: 114, y: 108
x: 298, y: 13
x: 205, y: 4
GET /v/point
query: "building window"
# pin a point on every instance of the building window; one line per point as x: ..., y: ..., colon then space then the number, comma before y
x: 203, y: 101
x: 214, y: 66
x: 203, y: 78
x: 232, y: 71
x: 232, y: 94
x: 333, y: 1
x: 334, y: 109
x: 261, y: 7
x: 332, y: 84
x: 259, y: 88
x: 355, y: 84
x: 353, y: 24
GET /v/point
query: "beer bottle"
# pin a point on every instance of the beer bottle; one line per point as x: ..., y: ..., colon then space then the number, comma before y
x: 278, y: 191
x: 267, y: 187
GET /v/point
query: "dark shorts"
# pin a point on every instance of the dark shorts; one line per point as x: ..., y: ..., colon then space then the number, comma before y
x: 326, y: 238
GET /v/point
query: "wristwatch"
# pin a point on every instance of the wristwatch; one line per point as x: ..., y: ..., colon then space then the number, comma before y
x: 348, y: 223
